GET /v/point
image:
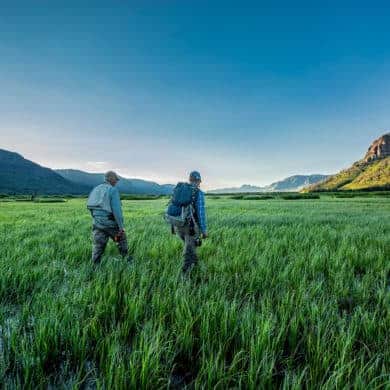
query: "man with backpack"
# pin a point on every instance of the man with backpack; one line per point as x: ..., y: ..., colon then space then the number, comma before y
x: 187, y: 216
x: 105, y: 206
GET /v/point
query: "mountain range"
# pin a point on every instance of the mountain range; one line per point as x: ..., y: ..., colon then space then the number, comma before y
x: 125, y: 186
x: 371, y: 172
x: 290, y: 184
x: 21, y: 176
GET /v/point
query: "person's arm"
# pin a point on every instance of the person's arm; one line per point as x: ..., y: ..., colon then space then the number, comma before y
x: 116, y: 207
x: 201, y: 213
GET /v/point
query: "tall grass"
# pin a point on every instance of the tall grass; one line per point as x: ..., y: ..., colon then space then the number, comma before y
x: 287, y: 294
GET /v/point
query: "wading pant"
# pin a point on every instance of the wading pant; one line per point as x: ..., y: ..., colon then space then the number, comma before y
x: 100, y: 238
x: 189, y: 237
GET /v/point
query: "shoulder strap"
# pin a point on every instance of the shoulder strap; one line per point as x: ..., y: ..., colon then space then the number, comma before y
x: 195, y: 192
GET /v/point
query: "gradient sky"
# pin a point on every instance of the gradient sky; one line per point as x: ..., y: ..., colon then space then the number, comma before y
x: 245, y: 92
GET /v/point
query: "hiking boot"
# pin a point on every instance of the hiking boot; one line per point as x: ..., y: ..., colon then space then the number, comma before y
x: 187, y: 268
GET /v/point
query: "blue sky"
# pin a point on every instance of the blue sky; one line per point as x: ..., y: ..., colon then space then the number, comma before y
x: 245, y: 92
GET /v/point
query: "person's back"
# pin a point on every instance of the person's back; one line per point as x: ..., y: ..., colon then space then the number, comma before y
x: 99, y: 204
x: 184, y: 197
x: 106, y: 210
x: 187, y: 216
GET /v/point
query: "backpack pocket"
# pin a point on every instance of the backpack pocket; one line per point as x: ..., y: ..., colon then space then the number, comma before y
x: 182, y: 219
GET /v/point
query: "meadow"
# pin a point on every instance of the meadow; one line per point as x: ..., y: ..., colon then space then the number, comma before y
x: 288, y: 294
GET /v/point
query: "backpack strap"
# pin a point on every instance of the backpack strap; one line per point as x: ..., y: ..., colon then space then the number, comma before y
x: 195, y: 191
x: 194, y: 214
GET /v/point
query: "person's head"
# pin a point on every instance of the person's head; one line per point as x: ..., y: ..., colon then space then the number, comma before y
x: 111, y: 177
x: 195, y: 178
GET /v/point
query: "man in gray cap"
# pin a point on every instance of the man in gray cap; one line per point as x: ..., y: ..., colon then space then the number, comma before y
x: 187, y: 216
x: 105, y: 206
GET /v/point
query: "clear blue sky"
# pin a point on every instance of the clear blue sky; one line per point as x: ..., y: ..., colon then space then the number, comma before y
x: 243, y: 92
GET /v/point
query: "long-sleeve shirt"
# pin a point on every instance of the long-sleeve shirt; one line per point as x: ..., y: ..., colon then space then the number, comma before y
x: 116, y: 206
x: 200, y: 207
x: 105, y: 219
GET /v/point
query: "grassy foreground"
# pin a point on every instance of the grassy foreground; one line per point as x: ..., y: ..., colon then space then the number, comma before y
x: 292, y: 294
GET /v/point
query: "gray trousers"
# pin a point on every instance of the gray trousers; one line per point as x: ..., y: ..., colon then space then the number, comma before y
x: 190, y: 257
x: 100, y: 238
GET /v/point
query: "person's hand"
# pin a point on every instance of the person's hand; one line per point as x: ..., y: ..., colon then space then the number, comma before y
x: 120, y: 235
x: 204, y: 235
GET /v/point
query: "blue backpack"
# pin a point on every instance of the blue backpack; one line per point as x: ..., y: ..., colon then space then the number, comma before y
x: 181, y: 208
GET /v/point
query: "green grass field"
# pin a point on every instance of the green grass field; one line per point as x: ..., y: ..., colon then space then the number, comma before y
x: 287, y: 294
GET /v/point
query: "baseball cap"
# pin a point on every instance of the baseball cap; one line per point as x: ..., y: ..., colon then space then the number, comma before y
x: 195, y: 175
x: 111, y: 175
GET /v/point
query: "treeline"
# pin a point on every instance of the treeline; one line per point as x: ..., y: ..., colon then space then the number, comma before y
x: 64, y: 198
x: 376, y: 189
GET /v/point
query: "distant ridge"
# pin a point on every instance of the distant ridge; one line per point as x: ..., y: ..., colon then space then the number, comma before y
x: 125, y: 185
x: 21, y: 176
x: 289, y: 184
x: 371, y: 172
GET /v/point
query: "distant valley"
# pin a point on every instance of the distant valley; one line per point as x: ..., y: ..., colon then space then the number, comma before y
x: 22, y: 176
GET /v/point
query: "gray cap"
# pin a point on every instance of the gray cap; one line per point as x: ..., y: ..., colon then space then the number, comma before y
x: 111, y: 175
x: 195, y: 175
